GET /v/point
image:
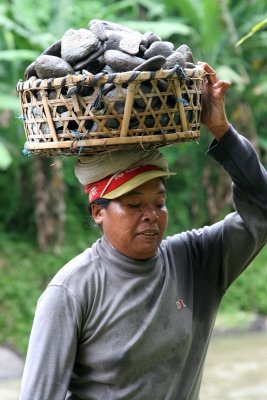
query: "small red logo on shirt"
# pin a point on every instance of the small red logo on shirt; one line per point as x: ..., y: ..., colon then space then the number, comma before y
x: 180, y: 304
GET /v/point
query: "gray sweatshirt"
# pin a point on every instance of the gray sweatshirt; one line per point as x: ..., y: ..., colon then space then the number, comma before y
x: 109, y: 327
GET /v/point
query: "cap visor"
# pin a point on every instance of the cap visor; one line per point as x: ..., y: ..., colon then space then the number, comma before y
x: 135, y: 182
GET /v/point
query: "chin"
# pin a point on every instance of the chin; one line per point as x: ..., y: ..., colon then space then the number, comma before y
x: 145, y: 254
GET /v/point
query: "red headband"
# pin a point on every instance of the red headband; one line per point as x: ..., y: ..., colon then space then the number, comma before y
x: 106, y: 185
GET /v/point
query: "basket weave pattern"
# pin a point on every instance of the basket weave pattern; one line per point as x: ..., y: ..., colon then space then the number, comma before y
x: 82, y: 114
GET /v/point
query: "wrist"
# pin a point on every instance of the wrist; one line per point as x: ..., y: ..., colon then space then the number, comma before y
x: 218, y: 131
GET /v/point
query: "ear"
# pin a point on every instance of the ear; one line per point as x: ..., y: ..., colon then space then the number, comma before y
x: 97, y: 212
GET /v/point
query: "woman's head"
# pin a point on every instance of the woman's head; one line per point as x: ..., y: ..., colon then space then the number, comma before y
x: 128, y: 203
x: 134, y: 223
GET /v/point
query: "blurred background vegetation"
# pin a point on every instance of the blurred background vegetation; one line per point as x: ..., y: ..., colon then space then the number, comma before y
x: 43, y: 214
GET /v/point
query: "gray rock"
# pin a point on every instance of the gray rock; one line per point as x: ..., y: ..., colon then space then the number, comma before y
x: 120, y: 61
x: 111, y: 123
x: 37, y: 112
x: 130, y: 43
x: 30, y: 71
x: 186, y: 51
x: 119, y: 104
x: 113, y: 41
x: 53, y: 50
x: 183, y: 48
x: 174, y: 59
x: 159, y: 48
x: 109, y: 70
x: 152, y: 64
x: 140, y: 103
x: 90, y: 61
x: 162, y: 85
x: 109, y: 25
x: 190, y: 65
x: 151, y: 37
x: 52, y: 67
x: 189, y: 57
x: 77, y: 44
x: 52, y: 95
x: 99, y: 30
x: 45, y: 129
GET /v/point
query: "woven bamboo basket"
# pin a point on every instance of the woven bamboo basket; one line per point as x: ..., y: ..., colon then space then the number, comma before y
x: 83, y: 114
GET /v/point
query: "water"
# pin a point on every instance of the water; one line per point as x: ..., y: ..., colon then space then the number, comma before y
x: 9, y: 389
x: 11, y: 367
x: 236, y: 368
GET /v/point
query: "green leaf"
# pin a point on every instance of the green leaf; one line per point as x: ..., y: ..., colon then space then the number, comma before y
x: 18, y: 55
x: 262, y: 142
x: 5, y: 157
x: 253, y: 30
x: 189, y: 10
x: 164, y: 29
x: 262, y: 88
x: 6, y: 24
x: 9, y: 102
x: 210, y: 22
x: 226, y: 72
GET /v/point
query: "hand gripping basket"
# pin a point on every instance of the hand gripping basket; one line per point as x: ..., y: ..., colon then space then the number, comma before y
x: 83, y: 114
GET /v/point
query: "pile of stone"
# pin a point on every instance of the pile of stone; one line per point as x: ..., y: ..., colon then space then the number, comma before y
x: 108, y: 47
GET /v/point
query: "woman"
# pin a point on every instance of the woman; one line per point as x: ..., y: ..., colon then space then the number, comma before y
x: 132, y: 316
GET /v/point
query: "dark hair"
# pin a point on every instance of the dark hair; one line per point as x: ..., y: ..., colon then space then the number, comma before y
x: 102, y: 202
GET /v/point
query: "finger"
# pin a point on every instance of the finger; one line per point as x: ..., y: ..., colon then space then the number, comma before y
x: 223, y: 85
x: 210, y: 76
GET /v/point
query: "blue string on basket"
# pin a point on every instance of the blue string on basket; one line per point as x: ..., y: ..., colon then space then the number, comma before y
x: 26, y: 152
x: 76, y: 134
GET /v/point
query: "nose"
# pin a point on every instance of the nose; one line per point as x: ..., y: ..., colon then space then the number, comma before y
x: 150, y: 214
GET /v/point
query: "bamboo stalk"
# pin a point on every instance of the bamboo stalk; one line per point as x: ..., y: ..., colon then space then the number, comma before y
x: 94, y: 143
x: 127, y: 109
x: 180, y: 105
x: 25, y: 124
x: 48, y: 115
x: 76, y: 105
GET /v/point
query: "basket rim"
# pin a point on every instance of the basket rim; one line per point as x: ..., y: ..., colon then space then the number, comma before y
x: 146, y: 139
x: 104, y: 77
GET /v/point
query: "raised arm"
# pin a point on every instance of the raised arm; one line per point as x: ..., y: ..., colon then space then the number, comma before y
x: 213, y: 109
x: 228, y: 247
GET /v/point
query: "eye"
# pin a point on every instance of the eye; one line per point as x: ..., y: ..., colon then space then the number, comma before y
x: 134, y: 205
x: 160, y: 205
x: 161, y: 202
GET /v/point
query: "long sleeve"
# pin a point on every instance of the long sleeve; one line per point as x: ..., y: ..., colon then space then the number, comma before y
x: 222, y: 251
x: 236, y: 154
x: 52, y: 346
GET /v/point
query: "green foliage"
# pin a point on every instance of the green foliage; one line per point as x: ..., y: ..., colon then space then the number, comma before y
x: 5, y: 157
x: 186, y: 198
x: 201, y: 16
x: 25, y: 272
x: 248, y: 293
x: 165, y: 29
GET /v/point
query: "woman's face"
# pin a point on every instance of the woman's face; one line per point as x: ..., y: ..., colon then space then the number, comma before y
x: 135, y: 223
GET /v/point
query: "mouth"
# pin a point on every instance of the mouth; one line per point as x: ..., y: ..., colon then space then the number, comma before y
x: 149, y: 233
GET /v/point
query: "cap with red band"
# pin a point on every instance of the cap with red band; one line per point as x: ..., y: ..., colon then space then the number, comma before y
x: 122, y: 182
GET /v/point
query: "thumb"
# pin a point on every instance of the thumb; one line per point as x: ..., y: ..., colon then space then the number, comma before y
x: 222, y: 85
